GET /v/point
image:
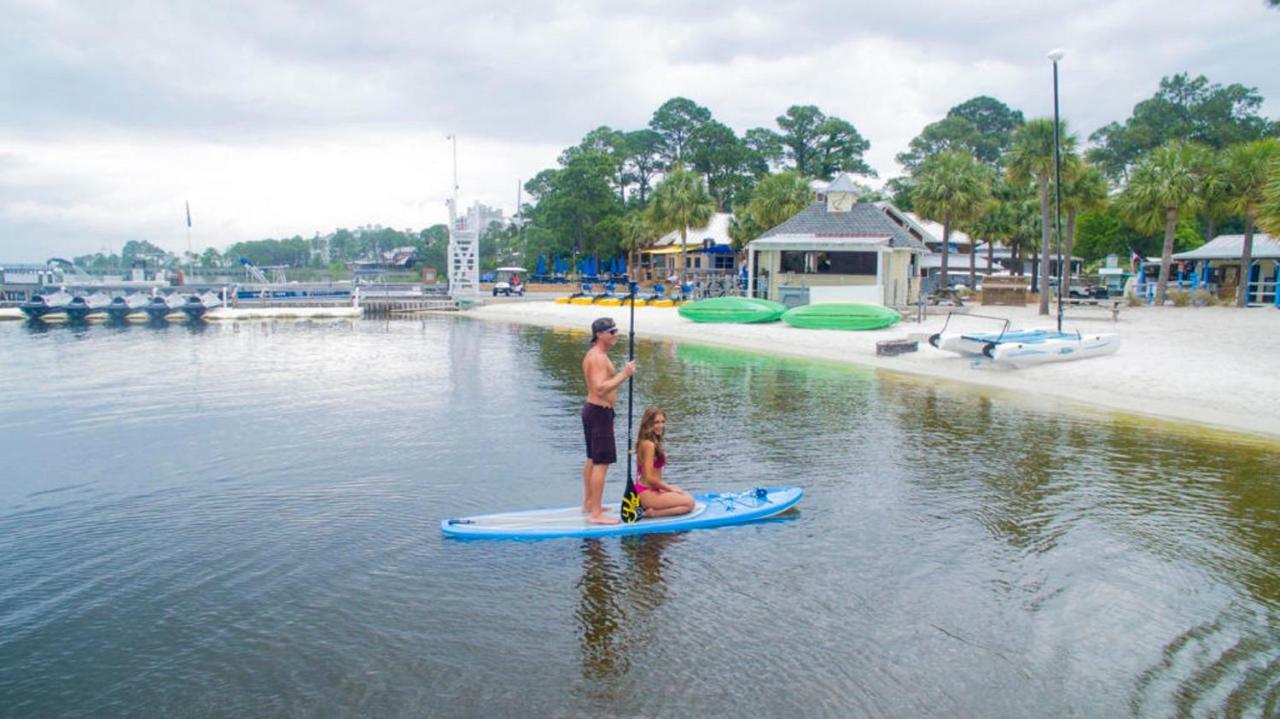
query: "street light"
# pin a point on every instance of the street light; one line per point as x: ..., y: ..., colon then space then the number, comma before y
x: 1055, y: 56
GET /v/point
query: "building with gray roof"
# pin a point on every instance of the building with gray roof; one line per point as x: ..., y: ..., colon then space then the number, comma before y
x: 838, y: 249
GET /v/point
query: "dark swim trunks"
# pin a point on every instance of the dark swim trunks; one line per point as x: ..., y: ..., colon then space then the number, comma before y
x: 597, y: 426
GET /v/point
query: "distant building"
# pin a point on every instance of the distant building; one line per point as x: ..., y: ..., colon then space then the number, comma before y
x: 838, y: 249
x: 490, y: 215
x: 988, y: 261
x: 398, y: 259
x: 1217, y: 263
x: 708, y: 250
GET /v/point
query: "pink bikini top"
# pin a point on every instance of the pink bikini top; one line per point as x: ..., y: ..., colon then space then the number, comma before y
x: 658, y: 463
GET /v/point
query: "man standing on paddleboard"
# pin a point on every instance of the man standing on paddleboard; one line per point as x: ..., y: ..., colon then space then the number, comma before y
x: 603, y: 380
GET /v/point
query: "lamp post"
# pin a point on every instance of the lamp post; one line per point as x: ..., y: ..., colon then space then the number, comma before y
x: 1055, y: 55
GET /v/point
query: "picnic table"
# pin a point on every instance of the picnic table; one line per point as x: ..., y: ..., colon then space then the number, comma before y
x: 1110, y: 305
x: 945, y: 294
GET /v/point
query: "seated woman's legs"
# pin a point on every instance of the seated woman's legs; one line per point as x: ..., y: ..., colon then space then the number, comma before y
x: 665, y: 504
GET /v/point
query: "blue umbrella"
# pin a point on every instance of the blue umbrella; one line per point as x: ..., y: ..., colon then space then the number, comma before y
x: 622, y: 265
x: 542, y: 265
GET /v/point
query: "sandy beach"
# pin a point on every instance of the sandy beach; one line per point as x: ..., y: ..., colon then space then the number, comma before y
x: 1200, y: 366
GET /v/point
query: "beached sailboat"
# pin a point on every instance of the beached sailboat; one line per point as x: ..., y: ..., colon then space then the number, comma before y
x: 1024, y: 348
x: 960, y: 341
x: 1044, y: 347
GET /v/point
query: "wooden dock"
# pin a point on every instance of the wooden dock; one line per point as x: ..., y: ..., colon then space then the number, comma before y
x: 392, y: 306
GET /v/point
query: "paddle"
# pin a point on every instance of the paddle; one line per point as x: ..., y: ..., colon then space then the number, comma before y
x: 631, y: 509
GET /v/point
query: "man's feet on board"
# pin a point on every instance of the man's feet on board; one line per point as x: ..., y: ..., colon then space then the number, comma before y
x: 603, y: 518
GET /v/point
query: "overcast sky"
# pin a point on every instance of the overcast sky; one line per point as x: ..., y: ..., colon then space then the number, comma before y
x: 279, y: 119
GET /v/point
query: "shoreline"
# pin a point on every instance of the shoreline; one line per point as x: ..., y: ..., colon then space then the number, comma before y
x: 1194, y: 367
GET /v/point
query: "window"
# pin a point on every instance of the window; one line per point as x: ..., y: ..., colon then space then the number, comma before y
x: 723, y: 262
x: 793, y: 261
x: 830, y: 263
x: 851, y: 263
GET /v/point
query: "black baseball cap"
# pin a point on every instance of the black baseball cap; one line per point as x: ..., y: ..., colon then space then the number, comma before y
x: 604, y: 324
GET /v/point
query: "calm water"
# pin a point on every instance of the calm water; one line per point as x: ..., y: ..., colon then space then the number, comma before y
x: 243, y: 521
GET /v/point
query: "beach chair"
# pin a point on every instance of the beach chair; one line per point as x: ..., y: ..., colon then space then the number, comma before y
x: 659, y: 298
x: 644, y: 298
x: 576, y: 296
x: 585, y: 297
x: 609, y: 298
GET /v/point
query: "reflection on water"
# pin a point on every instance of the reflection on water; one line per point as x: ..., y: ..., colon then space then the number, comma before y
x: 600, y: 616
x: 618, y: 602
x: 242, y: 520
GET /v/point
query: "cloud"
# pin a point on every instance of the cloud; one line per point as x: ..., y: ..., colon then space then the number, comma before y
x: 291, y: 118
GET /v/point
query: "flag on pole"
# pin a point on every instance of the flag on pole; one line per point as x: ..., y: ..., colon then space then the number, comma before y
x: 188, y: 213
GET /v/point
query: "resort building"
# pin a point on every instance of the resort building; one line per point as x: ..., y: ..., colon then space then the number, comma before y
x: 708, y: 250
x: 1216, y: 264
x: 986, y: 260
x: 838, y: 249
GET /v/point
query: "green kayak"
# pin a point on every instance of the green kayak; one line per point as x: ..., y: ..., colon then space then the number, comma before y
x: 733, y: 309
x: 841, y: 316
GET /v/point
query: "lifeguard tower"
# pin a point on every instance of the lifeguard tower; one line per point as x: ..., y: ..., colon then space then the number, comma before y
x: 464, y: 252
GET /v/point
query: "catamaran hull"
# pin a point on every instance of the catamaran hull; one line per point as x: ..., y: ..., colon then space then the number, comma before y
x: 974, y: 345
x: 1026, y: 354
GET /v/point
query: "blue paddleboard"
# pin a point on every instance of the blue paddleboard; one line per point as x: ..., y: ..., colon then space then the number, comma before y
x: 712, y: 509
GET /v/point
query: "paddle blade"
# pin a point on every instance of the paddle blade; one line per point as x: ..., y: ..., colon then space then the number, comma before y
x: 631, y: 509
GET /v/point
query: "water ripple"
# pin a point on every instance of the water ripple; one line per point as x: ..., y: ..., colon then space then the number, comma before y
x: 243, y: 519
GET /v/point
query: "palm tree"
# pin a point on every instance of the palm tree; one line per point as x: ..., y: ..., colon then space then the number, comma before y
x: 777, y: 197
x: 1269, y: 212
x: 1085, y: 188
x: 952, y: 188
x: 1030, y: 157
x: 1215, y: 195
x: 1167, y: 182
x: 637, y: 232
x: 1027, y: 226
x: 998, y: 222
x: 681, y: 201
x: 1247, y: 170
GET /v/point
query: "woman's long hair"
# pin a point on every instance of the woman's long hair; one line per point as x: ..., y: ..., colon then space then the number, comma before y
x: 651, y: 415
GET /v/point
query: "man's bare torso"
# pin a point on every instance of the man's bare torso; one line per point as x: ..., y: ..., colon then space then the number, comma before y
x: 597, y: 368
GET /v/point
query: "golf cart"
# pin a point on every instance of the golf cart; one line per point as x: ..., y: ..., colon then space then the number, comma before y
x: 509, y: 281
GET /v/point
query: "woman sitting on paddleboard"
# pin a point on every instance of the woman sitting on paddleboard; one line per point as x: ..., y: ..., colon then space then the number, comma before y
x: 658, y: 498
